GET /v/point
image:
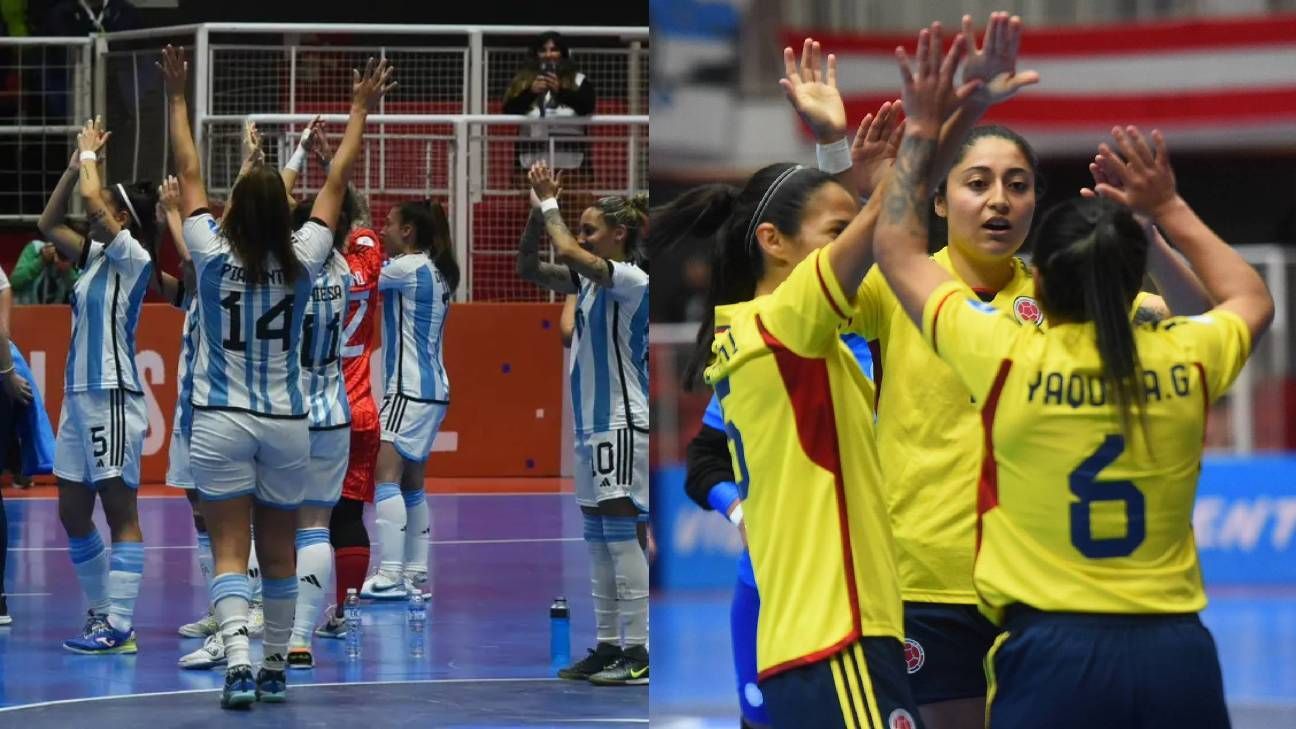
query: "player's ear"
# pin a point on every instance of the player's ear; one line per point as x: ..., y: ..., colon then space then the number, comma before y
x: 770, y: 241
x: 939, y: 203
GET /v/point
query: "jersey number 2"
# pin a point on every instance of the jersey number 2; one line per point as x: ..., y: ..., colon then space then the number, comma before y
x: 1086, y: 486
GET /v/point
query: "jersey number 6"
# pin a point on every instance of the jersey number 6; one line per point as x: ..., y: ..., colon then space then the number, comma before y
x: 1088, y: 489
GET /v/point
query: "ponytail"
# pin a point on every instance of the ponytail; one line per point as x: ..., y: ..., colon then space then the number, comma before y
x: 432, y: 236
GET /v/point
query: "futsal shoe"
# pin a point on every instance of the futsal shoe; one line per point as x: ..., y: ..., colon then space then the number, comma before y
x: 600, y: 657
x: 240, y: 688
x: 631, y: 669
x: 271, y: 686
x: 201, y: 628
x: 210, y: 655
x: 334, y: 627
x: 382, y: 587
x: 4, y: 612
x: 300, y: 659
x: 417, y: 581
x: 103, y: 640
x: 256, y: 620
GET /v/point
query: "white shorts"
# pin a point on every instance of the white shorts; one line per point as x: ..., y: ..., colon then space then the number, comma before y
x: 410, y: 425
x: 178, y: 474
x: 613, y: 465
x: 101, y: 436
x: 330, y: 451
x: 235, y: 454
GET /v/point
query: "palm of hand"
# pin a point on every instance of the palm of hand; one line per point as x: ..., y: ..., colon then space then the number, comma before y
x: 820, y: 105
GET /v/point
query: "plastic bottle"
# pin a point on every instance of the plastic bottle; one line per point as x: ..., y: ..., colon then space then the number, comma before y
x: 351, y: 612
x: 417, y: 621
x: 559, y: 635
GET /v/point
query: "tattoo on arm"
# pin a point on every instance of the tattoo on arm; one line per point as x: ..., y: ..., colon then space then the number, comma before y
x: 906, y: 201
x: 1150, y: 314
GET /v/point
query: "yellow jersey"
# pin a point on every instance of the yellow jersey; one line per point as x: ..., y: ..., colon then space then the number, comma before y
x: 798, y: 413
x: 928, y: 438
x: 1072, y: 516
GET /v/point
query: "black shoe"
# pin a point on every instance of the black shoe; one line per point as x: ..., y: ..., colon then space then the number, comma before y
x: 602, y: 656
x: 631, y: 669
x: 4, y: 612
x: 240, y: 689
x: 271, y: 686
x: 300, y: 658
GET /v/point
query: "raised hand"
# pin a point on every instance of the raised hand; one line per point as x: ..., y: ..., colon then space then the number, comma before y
x: 876, y: 142
x: 169, y: 194
x: 813, y: 93
x: 175, y: 70
x: 995, y: 63
x: 927, y: 87
x: 252, y: 141
x: 544, y: 183
x: 92, y: 137
x: 318, y: 142
x: 1143, y: 180
x: 368, y: 87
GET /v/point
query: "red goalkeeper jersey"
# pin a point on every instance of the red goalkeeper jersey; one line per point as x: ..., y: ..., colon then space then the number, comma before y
x: 365, y: 258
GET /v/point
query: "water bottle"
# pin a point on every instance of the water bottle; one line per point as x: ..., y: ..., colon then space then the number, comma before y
x: 559, y: 635
x: 417, y: 620
x: 351, y: 611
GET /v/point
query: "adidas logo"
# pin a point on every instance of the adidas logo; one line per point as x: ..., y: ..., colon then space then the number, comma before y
x: 313, y: 580
x: 99, y: 463
x: 242, y: 631
x: 254, y: 573
x: 605, y: 484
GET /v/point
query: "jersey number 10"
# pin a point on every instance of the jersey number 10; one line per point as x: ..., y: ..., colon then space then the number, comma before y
x: 1086, y: 486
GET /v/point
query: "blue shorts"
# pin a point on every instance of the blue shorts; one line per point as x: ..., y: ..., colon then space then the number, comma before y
x: 743, y: 613
x: 1110, y: 671
x: 945, y: 649
x: 864, y: 686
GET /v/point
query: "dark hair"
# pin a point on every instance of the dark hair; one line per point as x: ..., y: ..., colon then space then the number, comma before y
x: 938, y: 227
x: 1091, y: 255
x: 550, y: 35
x: 432, y: 236
x: 725, y: 214
x: 350, y: 211
x: 632, y: 212
x: 143, y: 199
x: 258, y: 224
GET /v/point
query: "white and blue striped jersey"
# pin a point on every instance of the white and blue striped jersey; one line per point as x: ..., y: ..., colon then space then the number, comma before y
x: 609, y: 353
x: 321, y: 347
x: 416, y: 303
x: 183, y: 420
x: 106, y: 303
x: 249, y: 333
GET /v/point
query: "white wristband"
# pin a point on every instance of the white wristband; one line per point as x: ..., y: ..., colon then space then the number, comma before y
x: 549, y: 203
x: 835, y: 157
x: 297, y: 162
x: 736, y: 516
x: 88, y: 156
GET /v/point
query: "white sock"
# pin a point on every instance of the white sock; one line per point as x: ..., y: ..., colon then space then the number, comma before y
x: 280, y: 599
x: 90, y: 560
x: 314, y: 570
x: 127, y: 567
x: 254, y: 571
x: 631, y: 565
x: 206, y: 562
x: 231, y: 593
x: 602, y: 582
x: 390, y: 511
x: 417, y: 531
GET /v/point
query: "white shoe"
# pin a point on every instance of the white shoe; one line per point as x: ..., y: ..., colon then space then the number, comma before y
x: 211, y: 655
x: 417, y: 581
x: 256, y: 620
x: 381, y: 587
x: 201, y: 628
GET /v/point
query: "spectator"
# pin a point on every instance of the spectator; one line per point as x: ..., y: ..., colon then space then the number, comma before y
x: 550, y: 85
x: 43, y: 275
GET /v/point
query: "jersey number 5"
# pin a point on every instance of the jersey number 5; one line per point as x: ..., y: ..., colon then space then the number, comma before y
x: 1086, y: 486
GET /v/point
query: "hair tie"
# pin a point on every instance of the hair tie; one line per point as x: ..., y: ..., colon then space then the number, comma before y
x: 126, y: 199
x: 765, y: 201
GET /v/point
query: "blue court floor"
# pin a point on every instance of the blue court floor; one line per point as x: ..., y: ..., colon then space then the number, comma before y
x: 694, y: 687
x: 497, y: 563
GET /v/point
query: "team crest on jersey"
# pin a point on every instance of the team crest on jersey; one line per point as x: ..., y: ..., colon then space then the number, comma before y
x: 365, y: 241
x: 1028, y: 310
x: 914, y: 655
x: 901, y: 719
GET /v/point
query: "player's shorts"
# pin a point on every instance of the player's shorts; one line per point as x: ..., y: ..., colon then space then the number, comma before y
x: 178, y: 474
x: 613, y: 465
x: 358, y: 484
x: 101, y: 436
x: 411, y: 425
x: 744, y: 612
x: 862, y: 687
x: 945, y: 650
x: 329, y: 452
x: 1110, y: 671
x: 235, y: 454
